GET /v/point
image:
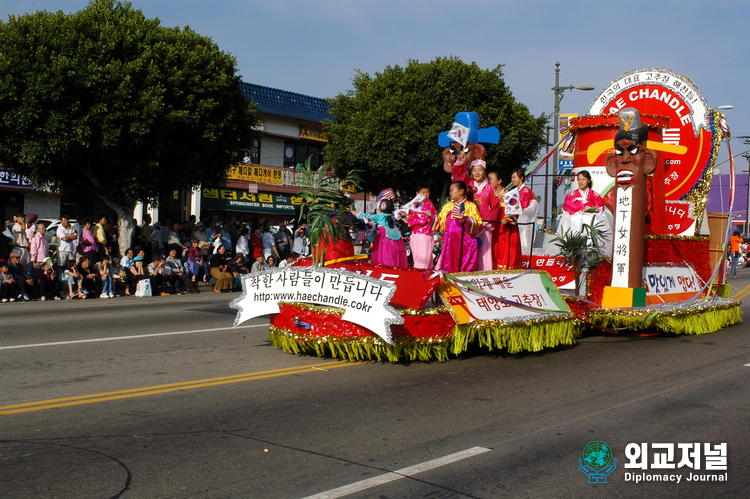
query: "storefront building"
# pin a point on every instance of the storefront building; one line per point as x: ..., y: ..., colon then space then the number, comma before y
x: 265, y: 186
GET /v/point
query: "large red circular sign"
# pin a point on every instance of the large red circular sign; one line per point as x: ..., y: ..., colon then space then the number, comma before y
x: 665, y: 93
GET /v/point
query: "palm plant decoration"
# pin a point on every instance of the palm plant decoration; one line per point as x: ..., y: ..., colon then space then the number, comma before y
x: 325, y: 210
x: 578, y: 251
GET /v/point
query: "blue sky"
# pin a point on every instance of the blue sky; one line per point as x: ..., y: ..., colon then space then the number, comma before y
x: 314, y: 47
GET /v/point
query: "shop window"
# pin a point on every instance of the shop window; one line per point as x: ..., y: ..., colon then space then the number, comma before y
x: 289, y: 155
x: 298, y: 153
x: 252, y: 155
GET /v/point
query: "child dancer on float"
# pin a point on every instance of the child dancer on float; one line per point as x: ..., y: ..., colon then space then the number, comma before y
x: 459, y: 220
x: 387, y: 246
x: 421, y: 221
x: 489, y: 209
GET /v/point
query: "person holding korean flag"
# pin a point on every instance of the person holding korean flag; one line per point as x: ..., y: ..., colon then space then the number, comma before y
x: 459, y: 220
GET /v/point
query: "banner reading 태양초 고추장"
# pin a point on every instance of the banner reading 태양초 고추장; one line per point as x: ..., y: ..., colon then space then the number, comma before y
x: 364, y: 299
x: 502, y: 295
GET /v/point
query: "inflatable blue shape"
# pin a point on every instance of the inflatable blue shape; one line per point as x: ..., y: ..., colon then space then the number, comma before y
x: 476, y: 135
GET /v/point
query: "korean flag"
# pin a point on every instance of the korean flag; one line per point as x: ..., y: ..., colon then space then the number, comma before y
x: 512, y: 203
x: 459, y: 133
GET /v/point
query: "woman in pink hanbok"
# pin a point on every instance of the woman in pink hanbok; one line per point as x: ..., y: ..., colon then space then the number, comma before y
x: 489, y: 209
x: 584, y: 207
x: 584, y: 198
x: 459, y: 220
x: 421, y: 218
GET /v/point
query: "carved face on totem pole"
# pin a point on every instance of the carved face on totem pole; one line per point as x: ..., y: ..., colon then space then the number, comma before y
x: 462, y: 145
x: 630, y: 164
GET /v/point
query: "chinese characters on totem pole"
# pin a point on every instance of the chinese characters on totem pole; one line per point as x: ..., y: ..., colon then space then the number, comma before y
x: 630, y: 164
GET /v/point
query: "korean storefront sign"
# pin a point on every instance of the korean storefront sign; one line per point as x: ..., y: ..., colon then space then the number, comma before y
x: 228, y: 199
x: 255, y: 173
x: 11, y: 179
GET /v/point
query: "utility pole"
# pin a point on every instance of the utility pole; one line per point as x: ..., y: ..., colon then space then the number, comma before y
x: 746, y: 140
x: 559, y: 94
x: 546, y: 178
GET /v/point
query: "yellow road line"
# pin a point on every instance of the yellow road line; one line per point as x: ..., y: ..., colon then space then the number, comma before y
x: 741, y: 293
x: 170, y: 387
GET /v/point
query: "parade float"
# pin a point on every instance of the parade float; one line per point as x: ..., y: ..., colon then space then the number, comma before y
x: 651, y: 142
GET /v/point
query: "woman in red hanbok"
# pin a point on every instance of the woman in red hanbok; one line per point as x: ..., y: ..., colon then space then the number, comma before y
x: 506, y: 242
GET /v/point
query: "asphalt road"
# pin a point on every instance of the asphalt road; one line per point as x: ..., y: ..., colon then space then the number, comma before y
x: 217, y: 412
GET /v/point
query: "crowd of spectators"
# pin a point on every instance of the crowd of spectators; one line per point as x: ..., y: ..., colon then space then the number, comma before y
x: 174, y: 257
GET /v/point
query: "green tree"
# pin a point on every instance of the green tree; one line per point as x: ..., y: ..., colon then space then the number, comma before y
x: 107, y: 103
x: 388, y: 126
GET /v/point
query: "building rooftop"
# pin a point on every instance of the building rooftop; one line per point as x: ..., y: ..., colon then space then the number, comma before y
x: 287, y: 104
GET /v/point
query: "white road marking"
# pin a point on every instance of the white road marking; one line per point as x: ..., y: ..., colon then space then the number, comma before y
x: 117, y: 338
x: 398, y: 474
x: 747, y: 365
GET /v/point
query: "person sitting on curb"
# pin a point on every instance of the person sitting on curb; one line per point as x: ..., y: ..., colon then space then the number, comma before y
x: 175, y: 272
x: 90, y: 281
x: 104, y: 270
x: 260, y: 264
x: 218, y: 266
x: 73, y: 279
x: 23, y: 279
x: 47, y: 281
x: 158, y: 275
x: 8, y: 288
x: 197, y: 261
x: 137, y: 273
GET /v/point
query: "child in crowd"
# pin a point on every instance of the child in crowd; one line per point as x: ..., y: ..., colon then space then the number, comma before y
x: 459, y: 220
x: 387, y: 244
x: 288, y: 261
x: 8, y: 288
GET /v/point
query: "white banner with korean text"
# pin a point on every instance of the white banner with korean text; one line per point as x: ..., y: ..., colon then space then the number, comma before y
x: 670, y: 283
x: 364, y: 299
x: 502, y: 295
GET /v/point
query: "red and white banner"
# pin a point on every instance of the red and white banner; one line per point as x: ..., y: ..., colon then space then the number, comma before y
x: 559, y: 269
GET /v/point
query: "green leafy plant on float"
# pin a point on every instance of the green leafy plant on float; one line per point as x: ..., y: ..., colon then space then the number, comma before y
x: 578, y: 251
x: 326, y: 205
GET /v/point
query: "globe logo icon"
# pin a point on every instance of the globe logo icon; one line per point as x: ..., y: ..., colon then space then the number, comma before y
x: 597, y: 455
x: 597, y: 462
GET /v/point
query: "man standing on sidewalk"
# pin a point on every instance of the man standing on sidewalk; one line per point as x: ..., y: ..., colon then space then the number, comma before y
x: 100, y: 235
x: 67, y: 240
x: 19, y: 238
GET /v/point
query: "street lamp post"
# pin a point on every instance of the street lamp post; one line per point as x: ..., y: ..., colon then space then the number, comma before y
x: 559, y: 94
